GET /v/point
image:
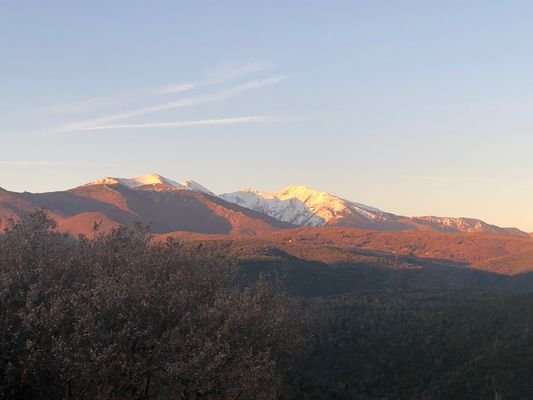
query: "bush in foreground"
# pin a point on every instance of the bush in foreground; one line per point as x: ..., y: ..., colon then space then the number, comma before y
x: 117, y: 316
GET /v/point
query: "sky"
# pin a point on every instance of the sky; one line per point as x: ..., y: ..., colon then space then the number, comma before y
x: 414, y: 107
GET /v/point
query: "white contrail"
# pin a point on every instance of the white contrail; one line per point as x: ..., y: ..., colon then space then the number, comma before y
x: 181, y: 124
x: 221, y: 74
x: 178, y: 88
x: 186, y: 102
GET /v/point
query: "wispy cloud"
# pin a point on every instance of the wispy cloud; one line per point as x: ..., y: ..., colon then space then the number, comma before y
x: 220, y: 74
x: 177, y: 88
x: 186, y: 102
x: 182, y: 124
x: 228, y: 71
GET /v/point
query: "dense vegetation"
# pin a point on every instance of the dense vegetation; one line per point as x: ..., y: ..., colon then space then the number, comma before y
x: 421, y: 345
x: 117, y: 316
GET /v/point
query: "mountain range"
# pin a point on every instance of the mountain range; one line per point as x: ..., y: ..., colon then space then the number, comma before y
x: 303, y: 206
x: 169, y: 206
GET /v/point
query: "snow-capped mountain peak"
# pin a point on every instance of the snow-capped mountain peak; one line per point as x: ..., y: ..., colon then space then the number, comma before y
x: 152, y: 179
x: 149, y: 179
x: 193, y: 185
x: 302, y: 205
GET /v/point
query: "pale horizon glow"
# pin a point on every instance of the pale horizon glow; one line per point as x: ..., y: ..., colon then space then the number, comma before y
x: 416, y: 108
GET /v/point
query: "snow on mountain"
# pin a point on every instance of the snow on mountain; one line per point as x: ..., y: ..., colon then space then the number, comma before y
x: 301, y: 205
x: 462, y: 224
x: 290, y: 210
x: 192, y: 185
x: 151, y: 180
x: 451, y: 224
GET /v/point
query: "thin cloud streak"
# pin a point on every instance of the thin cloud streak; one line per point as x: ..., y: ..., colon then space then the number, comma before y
x: 232, y: 71
x: 186, y: 102
x: 219, y: 75
x: 178, y: 88
x: 181, y: 124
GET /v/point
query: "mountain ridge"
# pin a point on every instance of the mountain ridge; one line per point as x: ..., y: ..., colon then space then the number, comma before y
x: 163, y: 209
x: 115, y: 200
x: 303, y: 206
x: 151, y: 179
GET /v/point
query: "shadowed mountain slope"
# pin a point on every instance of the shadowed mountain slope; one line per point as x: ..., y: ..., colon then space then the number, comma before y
x: 163, y: 208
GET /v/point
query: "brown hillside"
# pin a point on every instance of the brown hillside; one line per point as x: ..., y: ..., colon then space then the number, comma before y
x: 164, y: 211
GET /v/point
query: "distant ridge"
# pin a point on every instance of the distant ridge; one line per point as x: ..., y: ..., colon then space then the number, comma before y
x: 303, y: 206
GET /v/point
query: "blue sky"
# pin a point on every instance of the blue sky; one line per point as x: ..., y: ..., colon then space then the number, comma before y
x: 415, y: 107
